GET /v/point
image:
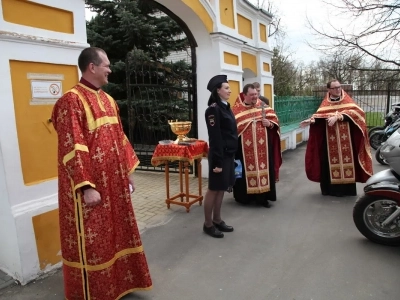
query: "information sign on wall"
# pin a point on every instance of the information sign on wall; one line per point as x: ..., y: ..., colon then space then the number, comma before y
x: 46, y: 89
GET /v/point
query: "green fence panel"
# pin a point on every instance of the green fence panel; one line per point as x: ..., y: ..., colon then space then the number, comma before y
x: 294, y: 109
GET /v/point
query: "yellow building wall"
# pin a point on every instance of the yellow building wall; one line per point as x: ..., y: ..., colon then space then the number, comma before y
x: 263, y: 33
x: 231, y: 59
x: 249, y: 61
x: 299, y: 138
x: 268, y: 93
x: 235, y: 91
x: 36, y: 15
x: 283, y: 145
x: 226, y: 13
x: 47, y: 235
x: 266, y: 67
x: 245, y: 26
x: 37, y: 138
x: 201, y: 12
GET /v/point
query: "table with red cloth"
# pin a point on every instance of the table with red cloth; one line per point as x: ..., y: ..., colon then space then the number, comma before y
x: 186, y: 155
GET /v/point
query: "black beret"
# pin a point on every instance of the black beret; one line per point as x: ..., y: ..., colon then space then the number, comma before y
x: 215, y: 81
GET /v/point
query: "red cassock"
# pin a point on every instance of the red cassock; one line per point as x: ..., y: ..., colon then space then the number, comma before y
x: 102, y: 252
x: 255, y: 144
x: 349, y: 152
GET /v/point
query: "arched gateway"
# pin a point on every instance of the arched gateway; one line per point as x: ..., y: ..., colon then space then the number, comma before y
x: 40, y: 41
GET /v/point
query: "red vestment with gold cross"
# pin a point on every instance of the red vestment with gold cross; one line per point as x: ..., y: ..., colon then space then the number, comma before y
x: 254, y: 144
x: 347, y: 143
x: 102, y: 252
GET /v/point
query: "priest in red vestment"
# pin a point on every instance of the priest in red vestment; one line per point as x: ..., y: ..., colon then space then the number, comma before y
x: 102, y: 253
x: 259, y: 149
x: 338, y: 153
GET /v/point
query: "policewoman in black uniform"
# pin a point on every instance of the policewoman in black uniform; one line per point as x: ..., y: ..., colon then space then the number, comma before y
x: 223, y: 142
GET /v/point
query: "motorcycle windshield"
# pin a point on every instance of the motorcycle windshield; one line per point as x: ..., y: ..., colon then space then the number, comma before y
x: 394, y: 139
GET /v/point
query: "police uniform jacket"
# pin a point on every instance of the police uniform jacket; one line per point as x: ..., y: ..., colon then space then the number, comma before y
x: 222, y: 132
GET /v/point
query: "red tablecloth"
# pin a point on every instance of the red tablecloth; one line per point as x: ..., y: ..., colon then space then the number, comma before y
x: 173, y: 152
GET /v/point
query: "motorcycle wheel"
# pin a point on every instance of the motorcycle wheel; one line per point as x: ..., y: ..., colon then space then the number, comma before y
x: 373, y: 129
x: 376, y: 139
x: 369, y: 212
x: 379, y: 157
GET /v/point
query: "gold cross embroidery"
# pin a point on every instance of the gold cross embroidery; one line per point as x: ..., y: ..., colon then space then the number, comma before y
x: 90, y: 236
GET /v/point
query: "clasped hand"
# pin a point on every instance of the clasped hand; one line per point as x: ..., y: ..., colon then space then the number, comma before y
x: 332, y: 120
x: 266, y: 123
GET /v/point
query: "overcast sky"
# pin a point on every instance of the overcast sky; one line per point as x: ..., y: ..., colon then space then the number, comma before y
x: 293, y: 17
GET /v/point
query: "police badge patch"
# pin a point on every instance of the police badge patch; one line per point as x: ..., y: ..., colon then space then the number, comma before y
x: 211, y: 120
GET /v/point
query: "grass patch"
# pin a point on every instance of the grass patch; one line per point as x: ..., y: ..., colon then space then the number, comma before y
x: 374, y: 119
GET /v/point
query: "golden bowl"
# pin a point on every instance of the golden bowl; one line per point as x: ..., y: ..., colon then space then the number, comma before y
x: 181, y: 129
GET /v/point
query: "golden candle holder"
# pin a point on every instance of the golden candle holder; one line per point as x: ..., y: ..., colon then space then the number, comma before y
x: 181, y: 129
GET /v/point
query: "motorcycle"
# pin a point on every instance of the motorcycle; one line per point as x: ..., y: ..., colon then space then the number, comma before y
x: 379, y: 158
x: 380, y: 136
x: 389, y: 119
x: 376, y: 214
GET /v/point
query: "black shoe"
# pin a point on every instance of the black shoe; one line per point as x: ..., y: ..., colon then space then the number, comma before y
x: 223, y: 227
x: 212, y: 231
x: 266, y: 204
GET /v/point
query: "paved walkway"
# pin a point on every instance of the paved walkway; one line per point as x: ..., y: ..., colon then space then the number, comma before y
x: 149, y: 198
x: 148, y: 203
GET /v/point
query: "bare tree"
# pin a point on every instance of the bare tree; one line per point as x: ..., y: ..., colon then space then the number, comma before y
x: 284, y: 71
x: 275, y: 27
x: 372, y: 33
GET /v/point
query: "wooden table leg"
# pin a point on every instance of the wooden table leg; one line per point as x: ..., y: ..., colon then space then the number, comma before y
x: 167, y: 183
x: 181, y: 179
x: 187, y: 184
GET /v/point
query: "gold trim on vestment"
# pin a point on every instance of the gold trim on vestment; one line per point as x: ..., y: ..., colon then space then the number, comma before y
x: 71, y: 154
x: 248, y: 111
x: 340, y: 165
x: 99, y: 102
x: 133, y: 290
x: 92, y: 123
x: 134, y: 167
x: 130, y: 291
x: 103, y: 121
x: 323, y: 112
x: 336, y: 106
x: 78, y: 186
x: 163, y: 159
x: 258, y: 173
x: 125, y: 140
x: 78, y: 234
x: 256, y: 119
x: 83, y: 241
x: 106, y: 265
x: 366, y: 140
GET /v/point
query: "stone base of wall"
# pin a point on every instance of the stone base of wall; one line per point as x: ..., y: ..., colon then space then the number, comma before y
x: 292, y: 135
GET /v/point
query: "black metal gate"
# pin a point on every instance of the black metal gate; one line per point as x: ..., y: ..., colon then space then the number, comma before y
x: 157, y: 92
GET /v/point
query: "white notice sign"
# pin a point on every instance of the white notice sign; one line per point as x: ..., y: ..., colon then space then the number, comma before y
x: 46, y: 89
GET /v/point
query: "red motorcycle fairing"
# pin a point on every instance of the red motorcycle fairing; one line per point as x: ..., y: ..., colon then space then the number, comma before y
x: 390, y: 190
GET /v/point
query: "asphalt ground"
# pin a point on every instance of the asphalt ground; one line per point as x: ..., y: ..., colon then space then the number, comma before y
x: 304, y: 247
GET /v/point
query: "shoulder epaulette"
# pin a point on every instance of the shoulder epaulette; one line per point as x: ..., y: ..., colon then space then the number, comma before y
x: 213, y: 104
